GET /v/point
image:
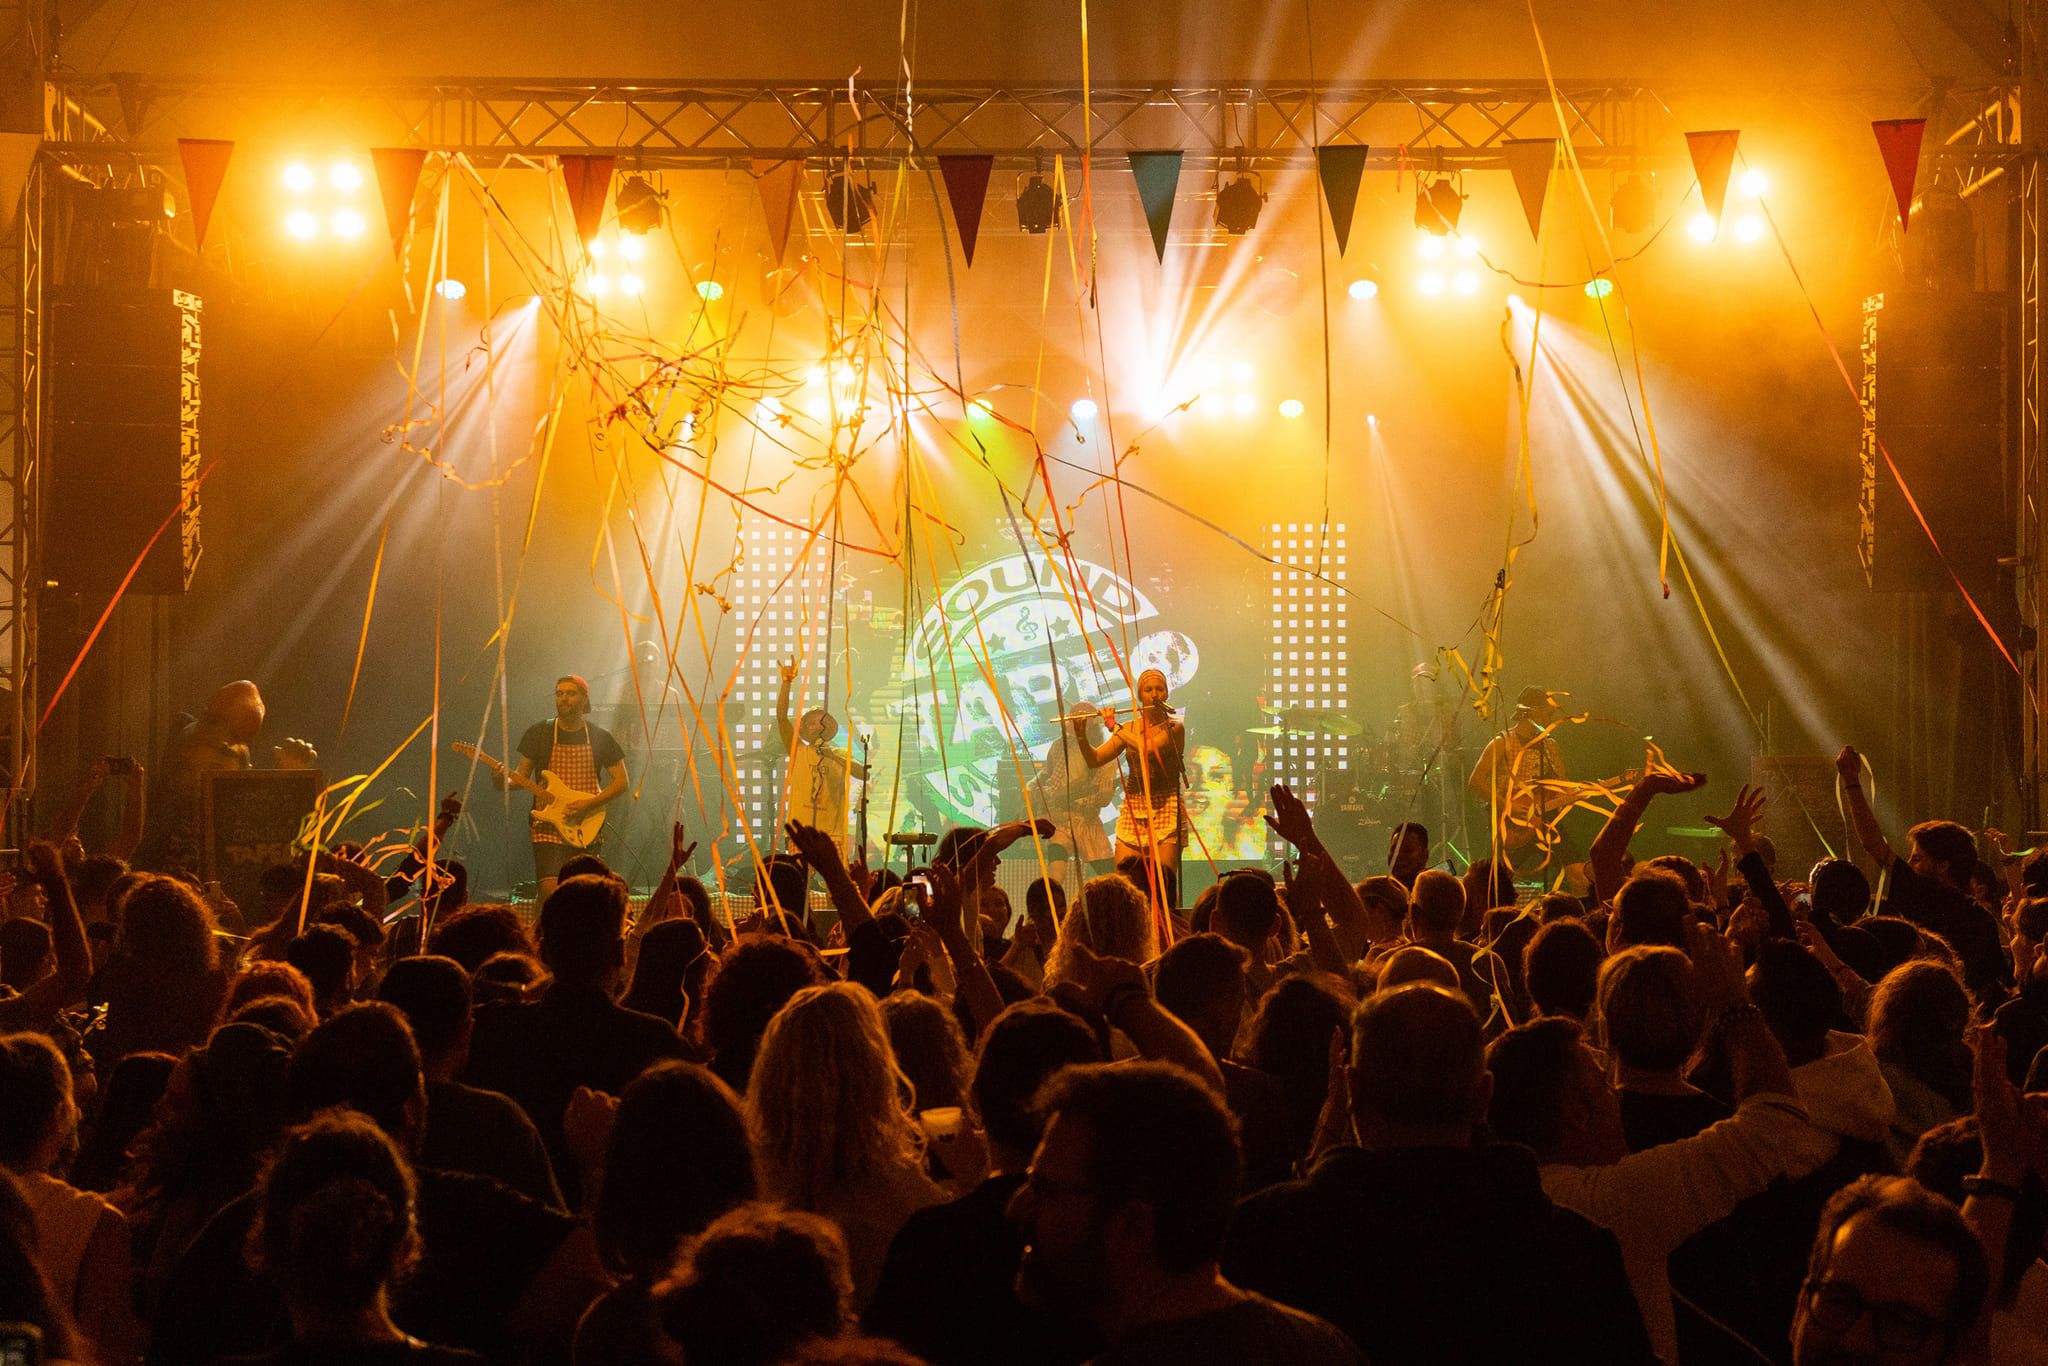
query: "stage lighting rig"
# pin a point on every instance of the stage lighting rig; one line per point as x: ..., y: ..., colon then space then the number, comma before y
x: 641, y: 207
x: 849, y: 206
x: 1437, y: 206
x: 1038, y: 206
x: 1238, y: 205
x: 1634, y: 206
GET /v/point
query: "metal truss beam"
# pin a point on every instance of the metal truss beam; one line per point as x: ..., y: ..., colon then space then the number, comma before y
x: 1454, y: 126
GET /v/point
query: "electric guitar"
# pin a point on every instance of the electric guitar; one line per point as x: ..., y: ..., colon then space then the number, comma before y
x: 551, y: 796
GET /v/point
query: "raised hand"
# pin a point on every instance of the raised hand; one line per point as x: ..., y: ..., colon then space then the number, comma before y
x: 1849, y: 764
x: 2002, y: 1122
x: 450, y: 812
x: 944, y: 911
x: 817, y: 848
x: 788, y: 672
x: 1670, y: 784
x: 1288, y: 818
x: 1740, y: 822
x: 680, y: 853
x: 1716, y: 968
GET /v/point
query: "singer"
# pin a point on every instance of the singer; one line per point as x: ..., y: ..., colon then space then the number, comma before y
x: 1152, y: 825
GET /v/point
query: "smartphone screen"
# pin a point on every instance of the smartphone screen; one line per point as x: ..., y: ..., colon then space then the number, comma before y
x: 21, y: 1344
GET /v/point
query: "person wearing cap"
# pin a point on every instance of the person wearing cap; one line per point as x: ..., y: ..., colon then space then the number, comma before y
x: 585, y: 757
x: 218, y: 740
x: 1515, y: 765
x: 820, y: 777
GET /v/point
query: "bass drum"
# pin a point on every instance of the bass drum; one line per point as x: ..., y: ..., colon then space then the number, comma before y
x: 1351, y: 816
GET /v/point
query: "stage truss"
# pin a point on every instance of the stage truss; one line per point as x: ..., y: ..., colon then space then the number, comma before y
x: 1426, y: 126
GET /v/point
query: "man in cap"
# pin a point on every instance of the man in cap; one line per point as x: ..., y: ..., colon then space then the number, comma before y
x: 587, y: 760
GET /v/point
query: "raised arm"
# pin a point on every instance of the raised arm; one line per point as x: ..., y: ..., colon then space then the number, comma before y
x: 134, y: 810
x: 64, y: 824
x: 361, y: 880
x: 977, y: 985
x: 784, y: 727
x: 37, y: 1007
x: 1740, y: 826
x: 1095, y: 756
x: 1324, y: 889
x: 1849, y: 764
x: 822, y: 854
x: 1608, y: 857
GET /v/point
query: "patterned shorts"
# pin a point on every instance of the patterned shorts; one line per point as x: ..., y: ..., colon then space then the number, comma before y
x: 1140, y: 822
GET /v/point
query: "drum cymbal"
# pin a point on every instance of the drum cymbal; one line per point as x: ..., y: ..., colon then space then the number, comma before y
x: 1314, y: 720
x: 1272, y: 730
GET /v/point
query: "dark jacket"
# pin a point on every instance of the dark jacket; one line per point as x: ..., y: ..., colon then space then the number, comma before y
x: 1440, y: 1255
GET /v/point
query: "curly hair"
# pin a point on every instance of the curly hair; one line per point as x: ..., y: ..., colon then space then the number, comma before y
x: 1113, y: 918
x: 827, y: 1103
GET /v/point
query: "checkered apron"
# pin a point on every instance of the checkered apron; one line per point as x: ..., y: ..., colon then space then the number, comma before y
x: 574, y: 765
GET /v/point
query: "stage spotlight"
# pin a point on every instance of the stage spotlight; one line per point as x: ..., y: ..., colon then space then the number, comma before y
x: 451, y: 289
x: 1210, y: 405
x: 769, y: 409
x: 1599, y: 287
x: 1437, y: 206
x: 1372, y: 419
x: 1754, y: 183
x: 1635, y: 206
x: 1430, y: 282
x: 981, y: 410
x: 1238, y: 205
x: 597, y: 248
x: 303, y: 224
x: 1084, y: 410
x: 1038, y: 206
x: 848, y: 205
x: 632, y: 248
x: 1292, y: 407
x: 1749, y: 228
x: 1468, y: 247
x: 597, y: 286
x: 1703, y: 227
x: 1242, y: 372
x: 631, y: 285
x: 298, y: 177
x: 1517, y: 301
x: 345, y: 176
x: 348, y: 223
x: 1244, y: 405
x: 640, y: 206
x: 1466, y: 282
x: 710, y: 291
x: 1363, y: 290
x: 1429, y: 248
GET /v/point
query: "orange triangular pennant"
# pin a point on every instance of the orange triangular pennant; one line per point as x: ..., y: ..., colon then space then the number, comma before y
x: 588, y: 180
x: 398, y: 175
x: 967, y: 188
x: 206, y: 165
x: 777, y: 178
x: 1899, y: 141
x: 1529, y: 162
x: 1713, y: 157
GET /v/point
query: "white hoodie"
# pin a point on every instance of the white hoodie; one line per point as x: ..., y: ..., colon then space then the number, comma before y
x: 1845, y: 1092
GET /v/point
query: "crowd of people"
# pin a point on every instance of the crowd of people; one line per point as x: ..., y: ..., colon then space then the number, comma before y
x: 1733, y: 1113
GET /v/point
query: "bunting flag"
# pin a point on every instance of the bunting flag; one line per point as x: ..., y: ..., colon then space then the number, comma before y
x: 967, y: 189
x: 398, y: 175
x: 1529, y: 162
x: 589, y: 182
x: 17, y: 158
x: 1158, y: 176
x: 134, y: 100
x: 1341, y: 170
x: 206, y: 166
x: 1899, y: 141
x: 1713, y: 157
x: 778, y: 178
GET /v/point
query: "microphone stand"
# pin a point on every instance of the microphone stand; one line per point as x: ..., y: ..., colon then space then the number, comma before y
x: 861, y: 821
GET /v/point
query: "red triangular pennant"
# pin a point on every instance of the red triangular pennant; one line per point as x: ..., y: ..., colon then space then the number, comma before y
x: 1899, y: 141
x: 1713, y: 157
x: 206, y: 165
x: 1341, y: 169
x: 967, y: 188
x: 777, y: 178
x: 134, y: 100
x: 1529, y: 162
x: 398, y: 175
x: 589, y: 182
x: 1158, y: 177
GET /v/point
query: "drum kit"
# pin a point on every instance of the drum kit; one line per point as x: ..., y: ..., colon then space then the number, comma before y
x: 1371, y: 784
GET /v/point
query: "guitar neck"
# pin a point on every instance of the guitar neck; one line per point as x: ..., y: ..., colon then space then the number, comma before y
x: 509, y: 775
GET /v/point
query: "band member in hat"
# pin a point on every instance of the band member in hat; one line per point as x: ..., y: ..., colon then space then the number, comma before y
x: 585, y: 757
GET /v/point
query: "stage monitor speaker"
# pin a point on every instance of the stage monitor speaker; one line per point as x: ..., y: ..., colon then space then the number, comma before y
x: 121, y: 438
x: 1936, y: 384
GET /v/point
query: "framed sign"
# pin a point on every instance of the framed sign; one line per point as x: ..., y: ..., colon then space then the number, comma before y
x: 249, y: 819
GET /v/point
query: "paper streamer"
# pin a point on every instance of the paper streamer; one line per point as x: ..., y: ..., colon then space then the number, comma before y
x: 1898, y: 141
x: 1158, y: 176
x: 1713, y: 157
x: 777, y: 179
x: 1529, y: 162
x: 1341, y: 170
x: 206, y: 165
x: 967, y: 190
x: 398, y: 176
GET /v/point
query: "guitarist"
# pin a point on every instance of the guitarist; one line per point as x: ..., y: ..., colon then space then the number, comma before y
x: 583, y: 756
x: 1515, y: 768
